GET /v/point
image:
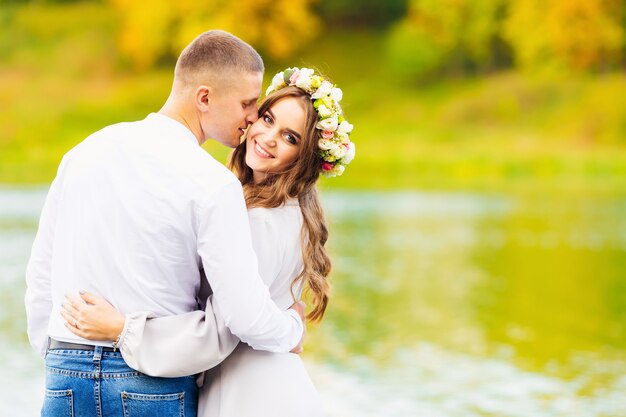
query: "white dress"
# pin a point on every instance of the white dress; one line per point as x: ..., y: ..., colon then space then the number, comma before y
x: 257, y: 383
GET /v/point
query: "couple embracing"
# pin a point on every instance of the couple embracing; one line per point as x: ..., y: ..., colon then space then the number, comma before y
x: 156, y: 270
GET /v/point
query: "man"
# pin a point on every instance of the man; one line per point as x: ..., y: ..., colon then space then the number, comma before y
x: 134, y: 212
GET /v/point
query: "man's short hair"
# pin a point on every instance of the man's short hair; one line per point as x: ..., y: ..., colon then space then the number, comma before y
x: 216, y: 53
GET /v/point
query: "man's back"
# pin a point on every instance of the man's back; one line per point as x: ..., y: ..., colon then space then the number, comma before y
x: 126, y: 215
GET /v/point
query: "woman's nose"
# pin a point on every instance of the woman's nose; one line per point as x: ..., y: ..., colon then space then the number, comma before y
x: 269, y: 139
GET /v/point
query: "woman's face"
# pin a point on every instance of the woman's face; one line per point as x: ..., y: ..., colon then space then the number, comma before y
x: 274, y: 140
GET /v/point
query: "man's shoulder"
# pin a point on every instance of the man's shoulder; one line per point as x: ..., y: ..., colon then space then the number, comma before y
x: 212, y: 173
x: 114, y: 130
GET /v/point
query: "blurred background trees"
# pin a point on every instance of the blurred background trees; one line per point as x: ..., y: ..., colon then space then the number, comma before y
x: 466, y: 36
x: 468, y: 91
x: 153, y: 29
x: 425, y: 37
x: 431, y: 38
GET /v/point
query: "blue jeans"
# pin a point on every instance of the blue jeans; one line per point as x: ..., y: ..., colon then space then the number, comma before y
x: 100, y: 384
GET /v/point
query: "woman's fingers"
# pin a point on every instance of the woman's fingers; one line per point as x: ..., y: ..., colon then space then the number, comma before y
x: 71, y: 324
x: 90, y: 298
x: 69, y: 319
x: 76, y: 325
x: 74, y: 330
x: 75, y: 301
x: 71, y: 310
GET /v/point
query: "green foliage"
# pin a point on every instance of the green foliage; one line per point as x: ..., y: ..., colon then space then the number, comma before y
x: 449, y: 36
x: 466, y: 36
x: 370, y: 13
x: 63, y: 82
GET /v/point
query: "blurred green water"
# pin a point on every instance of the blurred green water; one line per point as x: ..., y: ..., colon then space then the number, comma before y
x: 451, y: 304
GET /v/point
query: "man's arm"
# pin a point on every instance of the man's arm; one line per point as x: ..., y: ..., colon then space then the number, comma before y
x: 38, y: 299
x: 230, y: 264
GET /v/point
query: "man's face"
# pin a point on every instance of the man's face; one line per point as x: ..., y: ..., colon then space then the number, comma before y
x: 234, y: 108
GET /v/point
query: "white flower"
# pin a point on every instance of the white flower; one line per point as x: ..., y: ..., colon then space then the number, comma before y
x: 338, y: 151
x: 324, y: 111
x: 323, y: 91
x: 329, y: 123
x: 343, y: 138
x: 303, y: 82
x: 325, y: 144
x: 307, y: 72
x: 336, y: 94
x: 349, y: 154
x: 278, y: 79
x: 344, y: 127
x: 277, y: 82
x: 338, y: 169
x: 305, y: 78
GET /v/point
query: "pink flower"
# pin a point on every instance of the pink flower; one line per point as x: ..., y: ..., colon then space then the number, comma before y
x: 327, y: 166
x: 294, y: 77
x: 347, y: 145
x: 327, y: 134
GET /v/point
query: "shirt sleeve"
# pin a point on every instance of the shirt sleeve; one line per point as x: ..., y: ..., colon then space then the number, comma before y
x: 38, y: 299
x: 230, y: 264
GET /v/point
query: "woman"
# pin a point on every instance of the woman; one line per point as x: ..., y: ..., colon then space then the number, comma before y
x: 300, y: 133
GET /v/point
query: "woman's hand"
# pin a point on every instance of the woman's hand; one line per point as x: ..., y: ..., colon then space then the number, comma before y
x: 92, y: 317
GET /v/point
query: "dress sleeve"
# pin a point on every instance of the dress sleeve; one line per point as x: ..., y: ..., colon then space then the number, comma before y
x: 179, y: 345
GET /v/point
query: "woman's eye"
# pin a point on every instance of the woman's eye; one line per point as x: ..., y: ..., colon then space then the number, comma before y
x: 267, y: 119
x: 291, y: 139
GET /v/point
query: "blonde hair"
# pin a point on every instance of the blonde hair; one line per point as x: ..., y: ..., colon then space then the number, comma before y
x: 216, y: 54
x: 297, y: 181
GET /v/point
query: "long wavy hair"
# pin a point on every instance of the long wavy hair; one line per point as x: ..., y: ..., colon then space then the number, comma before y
x: 296, y: 181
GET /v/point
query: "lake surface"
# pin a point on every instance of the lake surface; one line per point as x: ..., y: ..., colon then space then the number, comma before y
x: 444, y: 304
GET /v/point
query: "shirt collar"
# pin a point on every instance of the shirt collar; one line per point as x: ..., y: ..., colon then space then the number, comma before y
x: 170, y: 123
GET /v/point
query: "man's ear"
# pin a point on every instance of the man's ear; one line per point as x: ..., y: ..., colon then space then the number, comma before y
x: 203, y: 98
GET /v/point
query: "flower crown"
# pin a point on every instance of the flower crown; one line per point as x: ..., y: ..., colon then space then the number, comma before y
x: 334, y: 144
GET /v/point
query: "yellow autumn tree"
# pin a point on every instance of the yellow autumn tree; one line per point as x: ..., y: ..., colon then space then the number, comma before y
x: 152, y: 29
x: 577, y: 34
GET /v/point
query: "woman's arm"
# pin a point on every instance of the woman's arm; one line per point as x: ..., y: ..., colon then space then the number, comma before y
x: 172, y: 346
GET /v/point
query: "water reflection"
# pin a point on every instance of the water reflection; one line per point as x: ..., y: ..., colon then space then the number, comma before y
x: 444, y: 305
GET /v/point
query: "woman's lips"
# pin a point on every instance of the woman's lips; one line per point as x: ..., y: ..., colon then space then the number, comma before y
x: 261, y: 151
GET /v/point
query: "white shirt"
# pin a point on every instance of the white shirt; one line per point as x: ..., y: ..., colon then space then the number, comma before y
x: 133, y: 212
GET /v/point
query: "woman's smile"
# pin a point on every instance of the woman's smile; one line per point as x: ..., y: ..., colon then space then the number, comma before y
x: 262, y: 152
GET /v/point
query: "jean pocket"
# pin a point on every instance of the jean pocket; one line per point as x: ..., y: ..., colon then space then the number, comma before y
x: 58, y: 403
x: 151, y: 405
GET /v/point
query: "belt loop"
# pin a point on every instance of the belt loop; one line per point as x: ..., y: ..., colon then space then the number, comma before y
x: 97, y: 354
x: 45, y: 355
